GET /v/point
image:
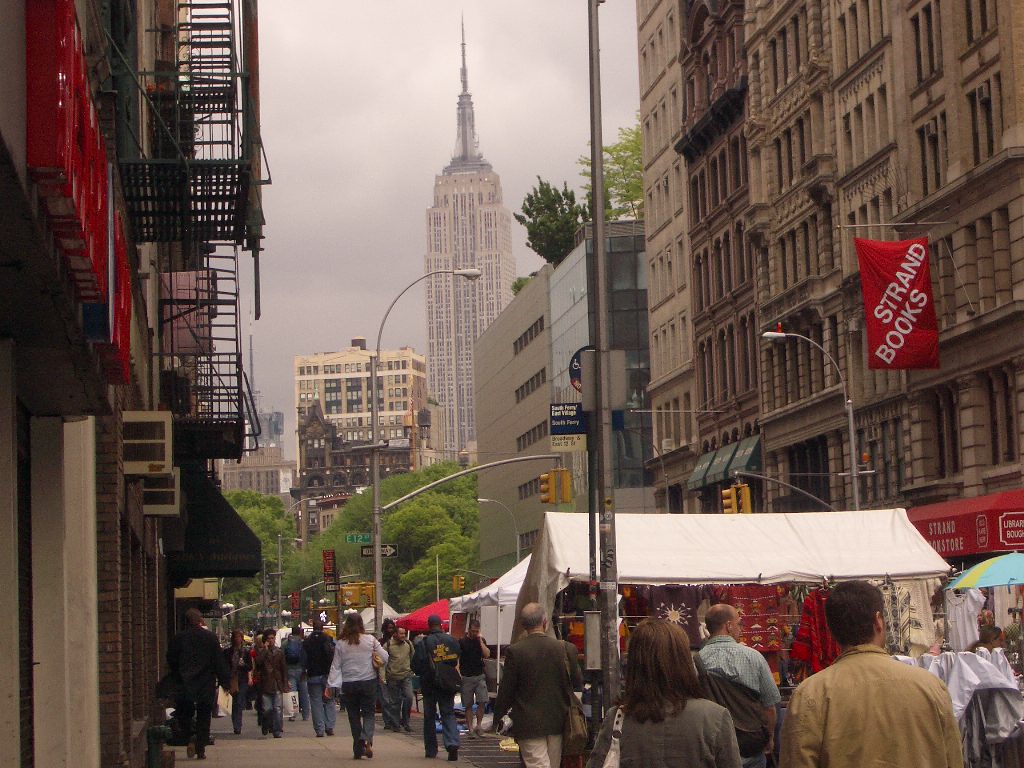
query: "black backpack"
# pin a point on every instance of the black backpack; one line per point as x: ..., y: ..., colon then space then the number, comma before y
x: 743, y: 704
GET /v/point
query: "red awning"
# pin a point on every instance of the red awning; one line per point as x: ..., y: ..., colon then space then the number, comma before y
x: 417, y: 620
x: 992, y: 523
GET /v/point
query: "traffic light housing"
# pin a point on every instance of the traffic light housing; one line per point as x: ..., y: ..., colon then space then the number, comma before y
x: 730, y: 501
x: 458, y: 582
x: 746, y: 503
x: 564, y: 485
x: 549, y: 487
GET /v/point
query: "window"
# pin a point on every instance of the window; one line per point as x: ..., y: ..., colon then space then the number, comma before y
x: 979, y: 18
x: 980, y: 105
x: 925, y: 28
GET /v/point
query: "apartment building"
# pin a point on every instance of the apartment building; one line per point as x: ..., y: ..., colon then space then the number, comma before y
x: 860, y: 119
x: 119, y: 386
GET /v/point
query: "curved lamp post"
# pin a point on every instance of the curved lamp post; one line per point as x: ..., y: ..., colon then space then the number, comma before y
x: 375, y: 442
x: 515, y: 527
x: 854, y: 469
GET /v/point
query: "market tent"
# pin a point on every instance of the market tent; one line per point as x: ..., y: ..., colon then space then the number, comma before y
x: 734, y: 549
x: 502, y: 591
x: 370, y: 618
x: 417, y: 620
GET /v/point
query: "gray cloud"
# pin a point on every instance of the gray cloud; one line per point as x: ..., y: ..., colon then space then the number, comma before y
x: 358, y: 116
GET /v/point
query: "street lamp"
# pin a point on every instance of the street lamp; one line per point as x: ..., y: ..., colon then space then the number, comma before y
x: 854, y: 469
x: 515, y: 528
x: 375, y: 442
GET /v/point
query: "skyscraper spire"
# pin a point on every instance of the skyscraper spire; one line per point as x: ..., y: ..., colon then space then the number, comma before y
x: 467, y: 155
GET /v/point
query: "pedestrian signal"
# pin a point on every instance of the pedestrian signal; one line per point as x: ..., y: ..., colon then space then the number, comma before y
x: 564, y: 485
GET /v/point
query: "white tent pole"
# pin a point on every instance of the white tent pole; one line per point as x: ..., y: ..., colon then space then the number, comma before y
x: 497, y: 671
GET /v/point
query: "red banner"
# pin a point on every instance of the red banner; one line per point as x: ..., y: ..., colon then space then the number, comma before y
x: 899, y: 311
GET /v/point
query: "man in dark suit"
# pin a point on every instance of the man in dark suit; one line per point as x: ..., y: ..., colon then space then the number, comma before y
x: 195, y: 655
x: 539, y: 676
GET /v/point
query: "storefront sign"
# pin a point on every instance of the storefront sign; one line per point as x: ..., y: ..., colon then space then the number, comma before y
x: 974, y: 533
x: 899, y: 311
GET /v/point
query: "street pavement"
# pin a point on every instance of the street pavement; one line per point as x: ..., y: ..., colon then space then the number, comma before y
x: 300, y: 747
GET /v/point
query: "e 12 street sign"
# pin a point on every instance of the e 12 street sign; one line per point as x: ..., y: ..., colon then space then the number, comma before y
x: 358, y: 538
x: 568, y: 427
x: 386, y: 550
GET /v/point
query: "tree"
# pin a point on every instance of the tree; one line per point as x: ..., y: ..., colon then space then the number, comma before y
x: 518, y: 284
x: 447, y: 514
x: 551, y: 217
x: 623, y: 175
x: 267, y: 518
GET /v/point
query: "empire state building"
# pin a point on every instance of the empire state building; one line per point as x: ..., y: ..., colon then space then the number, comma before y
x: 468, y: 226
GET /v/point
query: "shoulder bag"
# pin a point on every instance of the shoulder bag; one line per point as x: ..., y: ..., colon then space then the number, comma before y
x: 574, y: 732
x: 611, y: 760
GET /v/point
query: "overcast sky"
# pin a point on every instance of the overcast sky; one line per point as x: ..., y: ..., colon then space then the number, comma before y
x: 358, y: 116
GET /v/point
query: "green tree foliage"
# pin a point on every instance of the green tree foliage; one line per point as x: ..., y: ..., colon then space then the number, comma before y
x: 518, y: 283
x: 623, y: 175
x: 266, y: 516
x: 447, y: 515
x: 551, y: 217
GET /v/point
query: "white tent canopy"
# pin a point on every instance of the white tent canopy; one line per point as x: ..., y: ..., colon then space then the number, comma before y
x: 734, y: 549
x: 502, y: 591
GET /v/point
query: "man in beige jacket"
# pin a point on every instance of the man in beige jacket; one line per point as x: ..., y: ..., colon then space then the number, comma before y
x: 867, y: 710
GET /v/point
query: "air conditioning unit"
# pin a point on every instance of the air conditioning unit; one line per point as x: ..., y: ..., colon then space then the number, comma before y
x: 667, y: 444
x: 983, y: 93
x: 147, y: 443
x: 873, y: 433
x: 161, y: 494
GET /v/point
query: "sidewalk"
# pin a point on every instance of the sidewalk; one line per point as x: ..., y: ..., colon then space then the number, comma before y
x: 299, y: 746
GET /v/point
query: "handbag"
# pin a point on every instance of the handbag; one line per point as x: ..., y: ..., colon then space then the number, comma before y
x: 611, y: 760
x: 574, y: 732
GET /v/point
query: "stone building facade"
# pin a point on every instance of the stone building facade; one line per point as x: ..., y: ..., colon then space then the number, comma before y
x: 863, y: 119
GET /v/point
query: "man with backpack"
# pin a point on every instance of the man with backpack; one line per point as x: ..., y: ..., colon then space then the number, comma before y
x: 295, y: 658
x: 319, y: 653
x: 738, y: 678
x: 435, y: 660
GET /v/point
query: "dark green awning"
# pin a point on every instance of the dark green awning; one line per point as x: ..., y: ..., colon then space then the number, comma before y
x: 748, y: 456
x: 700, y: 469
x: 719, y: 469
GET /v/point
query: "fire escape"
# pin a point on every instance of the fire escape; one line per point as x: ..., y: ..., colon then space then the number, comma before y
x: 196, y: 191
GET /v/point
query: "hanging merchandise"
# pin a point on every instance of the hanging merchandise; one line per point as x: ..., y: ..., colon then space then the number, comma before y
x: 814, y: 644
x: 679, y: 604
x: 759, y: 606
x: 962, y: 611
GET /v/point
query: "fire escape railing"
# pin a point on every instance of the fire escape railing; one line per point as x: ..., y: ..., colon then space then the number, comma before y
x: 192, y: 188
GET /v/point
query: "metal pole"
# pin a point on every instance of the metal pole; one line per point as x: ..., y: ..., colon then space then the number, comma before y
x: 850, y: 426
x: 437, y: 577
x: 378, y: 560
x: 608, y: 591
x: 854, y: 459
x: 280, y: 573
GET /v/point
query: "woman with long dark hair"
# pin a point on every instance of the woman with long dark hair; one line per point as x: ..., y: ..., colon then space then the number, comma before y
x: 666, y: 722
x: 240, y: 664
x: 357, y: 657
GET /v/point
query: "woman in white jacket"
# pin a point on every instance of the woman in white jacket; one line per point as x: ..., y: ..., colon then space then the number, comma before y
x: 357, y: 657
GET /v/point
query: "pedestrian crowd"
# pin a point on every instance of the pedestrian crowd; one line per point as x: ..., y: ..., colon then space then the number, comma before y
x: 714, y: 709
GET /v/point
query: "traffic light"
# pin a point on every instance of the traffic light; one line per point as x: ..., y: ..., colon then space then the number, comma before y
x: 564, y: 485
x: 458, y: 582
x: 729, y: 501
x: 746, y: 503
x: 549, y: 487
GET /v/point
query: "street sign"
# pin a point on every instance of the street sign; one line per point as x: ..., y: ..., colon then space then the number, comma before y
x: 358, y: 538
x: 386, y: 550
x: 568, y: 427
x: 576, y: 368
x: 330, y: 571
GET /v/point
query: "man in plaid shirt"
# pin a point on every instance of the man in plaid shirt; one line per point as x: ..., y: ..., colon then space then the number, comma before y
x: 724, y: 656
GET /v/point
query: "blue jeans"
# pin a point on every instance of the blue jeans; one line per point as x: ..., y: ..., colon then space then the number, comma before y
x: 273, y: 714
x: 238, y: 701
x: 360, y: 698
x: 385, y: 705
x: 400, y: 699
x: 325, y: 713
x: 297, y: 681
x: 433, y: 703
x: 757, y: 761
